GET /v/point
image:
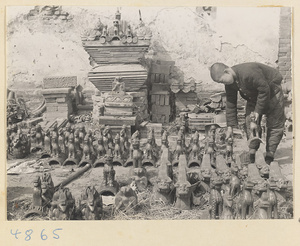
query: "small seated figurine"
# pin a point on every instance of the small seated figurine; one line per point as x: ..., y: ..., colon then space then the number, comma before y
x: 43, y: 191
x: 31, y: 136
x: 62, y: 206
x: 87, y: 152
x: 194, y: 156
x: 109, y: 183
x: 91, y: 204
x: 124, y: 143
x: 117, y: 151
x: 177, y: 152
x: 47, y: 188
x: 55, y: 151
x: 245, y: 203
x: 126, y: 200
x: 225, y: 173
x: 77, y: 145
x: 212, y: 152
x: 163, y: 188
x: 215, y: 199
x: 61, y: 141
x: 82, y: 134
x: 107, y: 138
x: 37, y: 194
x: 135, y: 154
x: 47, y: 145
x: 148, y: 157
x: 100, y: 150
x: 67, y: 132
x: 272, y: 198
x: 39, y: 136
x: 118, y: 86
x: 263, y: 203
x: 71, y: 151
x: 183, y: 187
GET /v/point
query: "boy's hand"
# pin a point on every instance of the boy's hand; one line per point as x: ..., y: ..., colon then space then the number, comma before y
x: 229, y: 133
x: 257, y: 117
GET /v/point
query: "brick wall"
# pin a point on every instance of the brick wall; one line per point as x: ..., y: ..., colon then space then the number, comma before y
x: 284, y: 53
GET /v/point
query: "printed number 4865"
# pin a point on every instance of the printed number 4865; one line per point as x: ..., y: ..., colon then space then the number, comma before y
x: 43, y: 235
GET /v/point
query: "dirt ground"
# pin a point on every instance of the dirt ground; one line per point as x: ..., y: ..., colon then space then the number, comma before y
x: 20, y: 188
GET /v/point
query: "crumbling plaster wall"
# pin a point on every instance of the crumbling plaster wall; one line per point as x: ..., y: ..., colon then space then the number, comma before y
x: 193, y: 37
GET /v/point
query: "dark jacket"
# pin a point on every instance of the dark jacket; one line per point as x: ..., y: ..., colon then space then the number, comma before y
x: 255, y: 82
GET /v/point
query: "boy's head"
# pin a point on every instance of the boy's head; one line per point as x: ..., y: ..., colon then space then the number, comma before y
x: 221, y: 73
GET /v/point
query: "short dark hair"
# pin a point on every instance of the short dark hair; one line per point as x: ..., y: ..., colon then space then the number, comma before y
x: 217, y: 70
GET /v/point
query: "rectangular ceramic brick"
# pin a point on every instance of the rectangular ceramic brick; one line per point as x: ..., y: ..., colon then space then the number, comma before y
x: 281, y: 54
x: 52, y: 104
x: 60, y: 99
x: 284, y: 59
x: 285, y: 45
x: 284, y: 49
x: 52, y: 108
x: 50, y: 100
x: 60, y: 82
x: 284, y: 41
x: 57, y: 115
x: 56, y: 91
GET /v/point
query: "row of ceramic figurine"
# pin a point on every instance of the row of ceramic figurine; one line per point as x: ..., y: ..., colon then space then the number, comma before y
x: 73, y: 144
x: 215, y: 143
x: 230, y: 192
x: 229, y: 183
x: 60, y: 204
